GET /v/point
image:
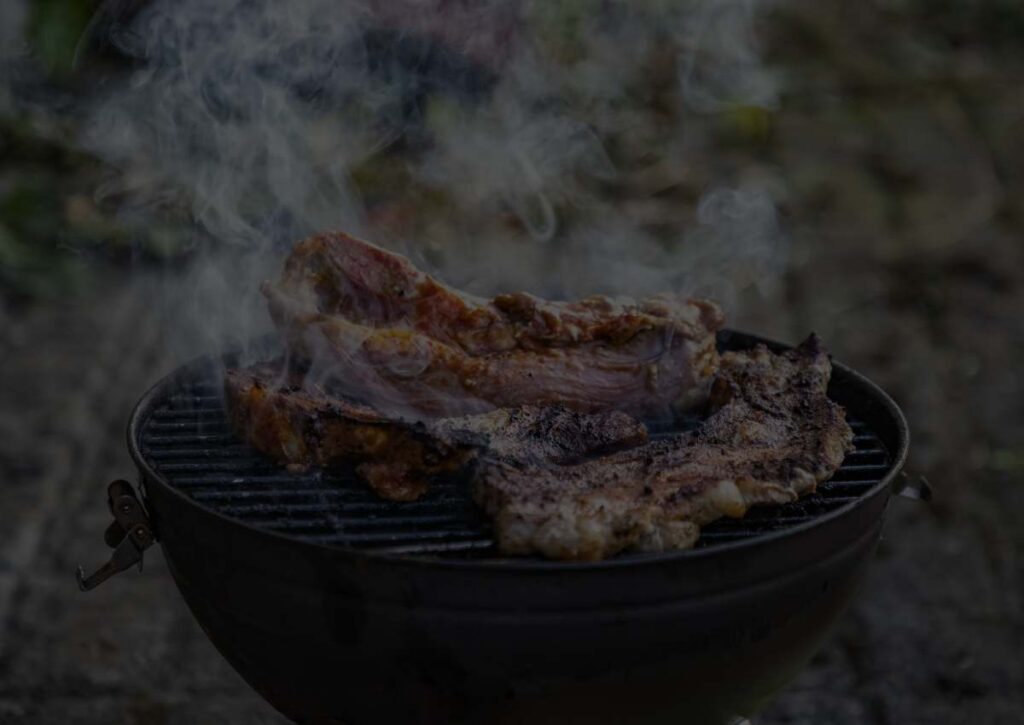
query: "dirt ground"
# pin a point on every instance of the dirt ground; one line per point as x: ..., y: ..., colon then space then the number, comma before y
x: 905, y: 215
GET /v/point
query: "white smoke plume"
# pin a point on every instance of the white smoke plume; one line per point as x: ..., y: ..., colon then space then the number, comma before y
x: 495, y: 129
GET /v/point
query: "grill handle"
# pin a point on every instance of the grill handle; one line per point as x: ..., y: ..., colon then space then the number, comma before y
x: 129, y: 535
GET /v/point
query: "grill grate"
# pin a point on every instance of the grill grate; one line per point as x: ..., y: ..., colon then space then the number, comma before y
x: 188, y: 441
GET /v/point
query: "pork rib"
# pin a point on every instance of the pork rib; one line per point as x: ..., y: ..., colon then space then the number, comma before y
x: 410, y: 345
x: 772, y: 436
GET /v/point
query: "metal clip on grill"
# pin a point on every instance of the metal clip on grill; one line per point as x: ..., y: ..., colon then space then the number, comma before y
x: 129, y: 535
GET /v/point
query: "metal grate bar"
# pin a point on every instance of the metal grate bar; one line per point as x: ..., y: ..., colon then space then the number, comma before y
x: 256, y: 464
x: 190, y: 439
x: 297, y: 514
x: 196, y: 399
x: 209, y: 427
x: 857, y: 471
x: 231, y: 450
x: 222, y: 498
x: 853, y: 487
x: 190, y: 414
x: 377, y: 539
x: 246, y: 478
x: 446, y: 547
x: 862, y: 453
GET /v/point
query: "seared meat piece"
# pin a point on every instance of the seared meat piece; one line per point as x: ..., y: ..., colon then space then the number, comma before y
x: 335, y: 274
x: 298, y: 422
x: 409, y: 345
x: 294, y: 421
x: 772, y: 436
x: 549, y: 435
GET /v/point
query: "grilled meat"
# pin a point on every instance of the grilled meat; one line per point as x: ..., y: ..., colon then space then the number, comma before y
x: 406, y: 378
x: 772, y: 435
x: 411, y: 346
x: 548, y: 435
x: 298, y: 422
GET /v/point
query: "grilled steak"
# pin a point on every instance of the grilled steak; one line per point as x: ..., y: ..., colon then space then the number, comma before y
x: 772, y: 435
x: 298, y: 422
x: 412, y: 347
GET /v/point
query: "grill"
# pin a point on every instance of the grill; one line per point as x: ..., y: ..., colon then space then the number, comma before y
x: 187, y: 439
x: 339, y: 607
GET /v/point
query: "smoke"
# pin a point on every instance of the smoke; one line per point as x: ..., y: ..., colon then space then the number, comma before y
x: 502, y: 145
x: 721, y: 66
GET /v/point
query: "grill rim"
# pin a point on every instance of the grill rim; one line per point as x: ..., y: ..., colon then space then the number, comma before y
x: 897, y: 459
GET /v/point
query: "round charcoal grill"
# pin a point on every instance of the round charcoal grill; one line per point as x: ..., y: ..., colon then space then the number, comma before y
x: 340, y: 607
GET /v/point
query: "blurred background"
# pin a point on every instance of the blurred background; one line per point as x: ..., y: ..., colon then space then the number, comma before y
x: 849, y: 169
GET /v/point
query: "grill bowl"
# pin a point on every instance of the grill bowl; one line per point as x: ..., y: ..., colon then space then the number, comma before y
x: 332, y: 629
